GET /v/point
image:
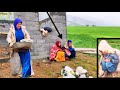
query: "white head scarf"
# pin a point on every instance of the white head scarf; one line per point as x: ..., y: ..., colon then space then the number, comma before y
x: 105, y: 47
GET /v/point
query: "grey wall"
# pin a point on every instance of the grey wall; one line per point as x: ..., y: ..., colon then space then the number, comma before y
x: 41, y: 45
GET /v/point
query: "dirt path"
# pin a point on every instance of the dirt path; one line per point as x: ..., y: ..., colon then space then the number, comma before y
x: 46, y: 70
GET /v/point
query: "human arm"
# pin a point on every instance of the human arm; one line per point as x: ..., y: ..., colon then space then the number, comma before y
x: 114, y: 58
x: 27, y: 36
x: 9, y: 38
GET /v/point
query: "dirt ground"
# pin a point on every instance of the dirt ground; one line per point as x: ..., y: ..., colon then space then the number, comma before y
x: 47, y: 70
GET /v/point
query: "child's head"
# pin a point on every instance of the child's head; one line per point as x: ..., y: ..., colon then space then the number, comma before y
x: 103, y: 52
x: 17, y: 23
x: 58, y: 43
x: 104, y: 48
x: 63, y: 49
x: 69, y: 42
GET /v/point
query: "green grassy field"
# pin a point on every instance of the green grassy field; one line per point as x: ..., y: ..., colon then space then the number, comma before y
x: 86, y: 37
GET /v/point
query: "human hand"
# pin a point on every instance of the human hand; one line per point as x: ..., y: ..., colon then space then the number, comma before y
x: 107, y: 60
x: 10, y: 45
x: 103, y: 58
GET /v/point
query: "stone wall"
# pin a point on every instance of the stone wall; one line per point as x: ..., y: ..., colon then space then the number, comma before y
x: 41, y: 46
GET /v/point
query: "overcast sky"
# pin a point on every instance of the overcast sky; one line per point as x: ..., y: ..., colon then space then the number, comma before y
x: 111, y: 18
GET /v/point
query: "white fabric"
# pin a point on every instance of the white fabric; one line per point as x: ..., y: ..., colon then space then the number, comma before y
x: 67, y: 72
x: 26, y: 40
x: 90, y: 77
x: 15, y: 64
x: 80, y: 71
x: 105, y: 47
x: 83, y: 76
x: 32, y: 73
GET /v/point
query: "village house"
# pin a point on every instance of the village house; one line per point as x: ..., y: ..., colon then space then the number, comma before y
x: 33, y: 22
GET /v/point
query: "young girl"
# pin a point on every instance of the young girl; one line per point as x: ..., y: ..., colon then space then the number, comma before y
x: 70, y: 47
x: 109, y: 58
x: 56, y: 53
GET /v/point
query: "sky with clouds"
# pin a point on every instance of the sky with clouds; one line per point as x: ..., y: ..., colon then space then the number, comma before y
x: 110, y: 18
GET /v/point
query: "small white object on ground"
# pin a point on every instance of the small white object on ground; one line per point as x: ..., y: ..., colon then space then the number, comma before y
x: 90, y: 77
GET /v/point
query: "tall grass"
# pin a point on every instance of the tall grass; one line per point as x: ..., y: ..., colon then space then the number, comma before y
x: 86, y: 37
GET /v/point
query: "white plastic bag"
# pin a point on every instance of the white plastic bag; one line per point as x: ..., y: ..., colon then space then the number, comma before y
x: 15, y: 64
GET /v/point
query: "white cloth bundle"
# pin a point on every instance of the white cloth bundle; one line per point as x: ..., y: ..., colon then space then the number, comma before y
x: 67, y: 72
x: 26, y: 40
x: 80, y: 72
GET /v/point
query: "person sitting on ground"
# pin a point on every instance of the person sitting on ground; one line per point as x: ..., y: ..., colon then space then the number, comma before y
x: 70, y: 47
x: 56, y: 53
x: 67, y: 53
x: 109, y: 59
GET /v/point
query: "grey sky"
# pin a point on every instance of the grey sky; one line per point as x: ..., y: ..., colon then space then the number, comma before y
x: 110, y: 18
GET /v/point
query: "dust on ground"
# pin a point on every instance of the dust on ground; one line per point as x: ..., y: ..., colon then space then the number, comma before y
x: 47, y: 70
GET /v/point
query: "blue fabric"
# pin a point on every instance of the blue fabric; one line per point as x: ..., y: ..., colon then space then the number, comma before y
x: 72, y: 50
x: 24, y: 56
x: 73, y: 53
x: 66, y: 55
x: 48, y: 29
x: 19, y: 35
x: 112, y: 65
x: 16, y: 21
x: 108, y: 66
x: 114, y: 58
x: 69, y: 41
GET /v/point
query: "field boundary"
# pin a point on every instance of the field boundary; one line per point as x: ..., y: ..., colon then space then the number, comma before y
x: 86, y: 50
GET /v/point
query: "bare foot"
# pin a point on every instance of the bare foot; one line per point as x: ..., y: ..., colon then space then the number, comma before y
x: 114, y: 74
x: 104, y: 74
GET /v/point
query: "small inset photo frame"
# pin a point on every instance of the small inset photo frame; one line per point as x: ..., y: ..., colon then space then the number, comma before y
x: 108, y: 57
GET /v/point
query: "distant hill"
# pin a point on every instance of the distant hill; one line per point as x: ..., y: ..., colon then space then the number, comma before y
x: 78, y: 21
